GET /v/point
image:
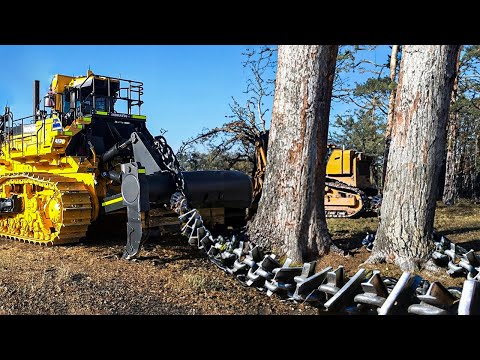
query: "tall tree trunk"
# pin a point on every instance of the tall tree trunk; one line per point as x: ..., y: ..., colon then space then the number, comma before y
x: 476, y: 190
x: 391, y: 107
x: 461, y: 164
x: 450, y: 187
x: 417, y: 143
x: 291, y: 214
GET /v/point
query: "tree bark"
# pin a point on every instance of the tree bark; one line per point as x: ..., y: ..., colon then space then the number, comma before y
x: 391, y: 107
x: 291, y: 214
x: 417, y: 144
x: 476, y: 189
x: 462, y: 159
x: 450, y: 185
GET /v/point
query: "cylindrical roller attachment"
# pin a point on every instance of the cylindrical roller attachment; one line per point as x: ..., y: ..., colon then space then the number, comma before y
x: 205, y: 189
x: 220, y: 188
x: 115, y: 150
x: 161, y: 187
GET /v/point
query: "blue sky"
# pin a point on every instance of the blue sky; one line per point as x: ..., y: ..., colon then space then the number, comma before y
x: 187, y: 88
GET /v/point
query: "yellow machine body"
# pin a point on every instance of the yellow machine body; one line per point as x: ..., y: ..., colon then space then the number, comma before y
x: 87, y: 155
x: 59, y: 193
x: 349, y: 181
x: 350, y: 167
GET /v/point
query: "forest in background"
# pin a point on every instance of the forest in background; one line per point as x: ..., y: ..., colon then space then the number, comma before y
x: 360, y: 123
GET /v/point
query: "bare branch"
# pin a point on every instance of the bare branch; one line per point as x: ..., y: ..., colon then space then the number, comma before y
x: 247, y: 122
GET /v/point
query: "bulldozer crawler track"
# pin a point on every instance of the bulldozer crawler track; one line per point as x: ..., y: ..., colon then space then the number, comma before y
x: 335, y: 184
x: 69, y: 198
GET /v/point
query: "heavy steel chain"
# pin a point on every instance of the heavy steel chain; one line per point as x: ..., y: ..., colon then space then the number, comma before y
x: 329, y: 288
x: 171, y: 164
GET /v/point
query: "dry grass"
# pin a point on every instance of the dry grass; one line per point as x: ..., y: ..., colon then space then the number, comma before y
x: 87, y: 279
x: 202, y: 282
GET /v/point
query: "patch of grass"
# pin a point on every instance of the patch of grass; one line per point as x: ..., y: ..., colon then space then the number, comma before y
x: 349, y: 227
x: 202, y: 282
x: 460, y: 223
x: 349, y: 233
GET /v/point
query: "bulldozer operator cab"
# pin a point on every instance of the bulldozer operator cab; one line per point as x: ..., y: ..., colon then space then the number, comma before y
x: 101, y: 110
x: 93, y: 94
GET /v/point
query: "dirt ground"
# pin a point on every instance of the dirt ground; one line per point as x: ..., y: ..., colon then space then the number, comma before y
x: 174, y: 278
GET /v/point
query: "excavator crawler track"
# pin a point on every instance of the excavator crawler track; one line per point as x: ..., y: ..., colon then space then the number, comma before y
x: 56, y: 209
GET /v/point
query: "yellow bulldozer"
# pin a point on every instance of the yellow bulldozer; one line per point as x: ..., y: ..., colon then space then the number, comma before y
x: 87, y: 154
x: 350, y: 184
x: 350, y: 188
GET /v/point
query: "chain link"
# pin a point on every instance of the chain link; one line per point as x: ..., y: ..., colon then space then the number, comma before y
x: 170, y: 163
